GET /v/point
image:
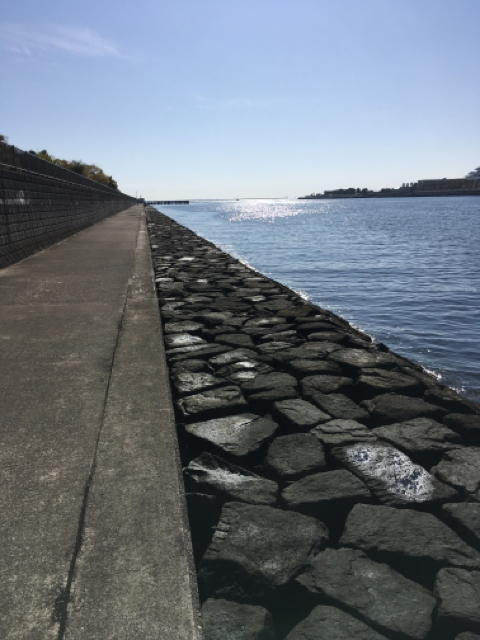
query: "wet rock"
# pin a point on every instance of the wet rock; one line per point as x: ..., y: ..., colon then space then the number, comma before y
x: 329, y: 623
x: 373, y: 591
x: 301, y: 368
x: 464, y: 517
x: 182, y: 327
x: 466, y: 635
x: 236, y: 340
x: 182, y: 340
x: 420, y: 438
x: 325, y: 494
x: 227, y: 620
x: 269, y: 381
x: 390, y: 408
x: 374, y: 382
x: 416, y: 543
x: 352, y: 360
x: 294, y: 456
x: 325, y: 384
x: 458, y: 593
x: 461, y: 469
x: 223, y: 401
x: 256, y: 550
x: 212, y: 475
x: 391, y: 476
x: 232, y: 356
x: 241, y: 436
x: 189, y: 382
x: 467, y: 425
x: 338, y: 433
x: 298, y: 415
x: 339, y: 406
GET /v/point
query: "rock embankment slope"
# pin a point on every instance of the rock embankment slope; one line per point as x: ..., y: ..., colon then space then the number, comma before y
x: 333, y: 486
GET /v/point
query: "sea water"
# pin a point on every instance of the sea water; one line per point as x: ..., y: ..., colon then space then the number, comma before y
x: 404, y: 270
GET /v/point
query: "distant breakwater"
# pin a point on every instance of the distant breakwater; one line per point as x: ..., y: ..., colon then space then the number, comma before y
x: 333, y: 486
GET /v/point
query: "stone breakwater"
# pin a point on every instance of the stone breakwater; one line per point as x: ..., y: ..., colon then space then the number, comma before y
x: 333, y: 487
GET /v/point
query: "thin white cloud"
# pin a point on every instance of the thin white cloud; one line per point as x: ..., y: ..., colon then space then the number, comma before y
x: 56, y: 38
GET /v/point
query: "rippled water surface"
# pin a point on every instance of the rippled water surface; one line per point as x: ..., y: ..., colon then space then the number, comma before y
x: 406, y: 271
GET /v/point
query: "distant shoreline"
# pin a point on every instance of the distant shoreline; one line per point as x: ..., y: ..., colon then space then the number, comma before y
x: 425, y: 194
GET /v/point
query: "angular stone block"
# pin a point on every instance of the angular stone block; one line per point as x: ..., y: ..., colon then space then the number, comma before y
x: 256, y: 550
x: 391, y: 476
x: 373, y: 591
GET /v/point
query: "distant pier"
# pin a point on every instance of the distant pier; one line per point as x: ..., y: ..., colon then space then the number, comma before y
x: 168, y: 202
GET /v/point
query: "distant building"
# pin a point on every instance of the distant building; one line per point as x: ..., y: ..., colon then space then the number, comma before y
x: 473, y: 175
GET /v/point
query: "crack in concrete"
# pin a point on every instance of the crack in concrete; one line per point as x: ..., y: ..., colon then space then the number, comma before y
x: 60, y: 609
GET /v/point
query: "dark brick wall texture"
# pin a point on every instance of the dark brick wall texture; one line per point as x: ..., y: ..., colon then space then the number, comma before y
x: 37, y: 211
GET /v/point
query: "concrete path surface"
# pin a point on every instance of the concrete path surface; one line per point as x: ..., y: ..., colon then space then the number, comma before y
x: 94, y: 542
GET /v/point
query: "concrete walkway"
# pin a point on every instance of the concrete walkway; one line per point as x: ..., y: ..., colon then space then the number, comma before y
x: 93, y: 536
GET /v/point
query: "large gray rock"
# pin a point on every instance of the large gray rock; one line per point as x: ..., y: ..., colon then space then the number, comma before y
x: 465, y: 518
x: 242, y: 436
x: 391, y: 407
x: 294, y: 456
x: 373, y: 591
x: 227, y: 620
x: 339, y: 406
x: 374, y: 382
x: 301, y: 367
x: 232, y: 356
x: 188, y: 326
x: 353, y: 360
x: 421, y: 437
x: 269, y: 381
x: 191, y: 364
x: 461, y: 469
x: 188, y: 382
x: 256, y: 550
x: 182, y: 340
x: 407, y: 536
x: 467, y: 635
x: 458, y: 593
x: 212, y: 475
x: 326, y: 493
x: 329, y: 623
x: 203, y: 351
x: 298, y: 415
x: 313, y: 384
x: 391, y: 476
x: 218, y: 402
x: 338, y: 433
x: 237, y: 340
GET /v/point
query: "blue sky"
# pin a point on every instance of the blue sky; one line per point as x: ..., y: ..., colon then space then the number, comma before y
x: 246, y: 98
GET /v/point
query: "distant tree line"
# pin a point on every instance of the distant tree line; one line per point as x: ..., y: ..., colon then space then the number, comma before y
x: 90, y: 171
